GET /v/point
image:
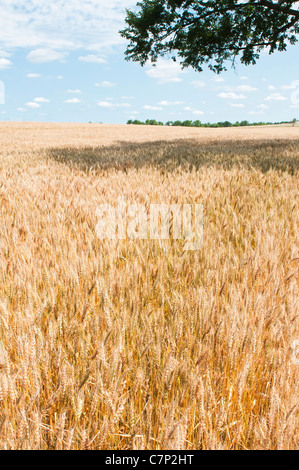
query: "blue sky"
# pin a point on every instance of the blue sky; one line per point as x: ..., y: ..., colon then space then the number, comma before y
x: 63, y: 61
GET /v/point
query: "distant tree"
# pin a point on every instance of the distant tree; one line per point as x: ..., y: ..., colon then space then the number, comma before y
x: 153, y: 122
x: 225, y: 124
x: 187, y: 123
x: 294, y: 121
x: 209, y: 31
x: 137, y: 122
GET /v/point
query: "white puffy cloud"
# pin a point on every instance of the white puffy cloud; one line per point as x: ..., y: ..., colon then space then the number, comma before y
x: 110, y: 105
x: 36, y: 103
x: 73, y: 101
x: 152, y: 108
x: 231, y: 96
x: 61, y: 24
x: 292, y: 86
x: 105, y: 84
x: 105, y: 104
x: 275, y: 97
x: 41, y: 100
x: 170, y: 103
x: 5, y: 63
x: 74, y: 91
x: 41, y: 55
x: 246, y: 88
x: 92, y: 58
x: 193, y: 111
x: 33, y: 104
x: 165, y: 71
x: 33, y: 75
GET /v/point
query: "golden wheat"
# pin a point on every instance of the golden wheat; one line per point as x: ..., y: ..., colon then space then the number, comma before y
x: 137, y: 344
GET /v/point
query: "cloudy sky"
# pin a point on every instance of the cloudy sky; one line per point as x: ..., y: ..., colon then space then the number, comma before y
x: 64, y: 61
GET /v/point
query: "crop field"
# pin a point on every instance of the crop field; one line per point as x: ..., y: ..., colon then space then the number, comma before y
x: 137, y: 344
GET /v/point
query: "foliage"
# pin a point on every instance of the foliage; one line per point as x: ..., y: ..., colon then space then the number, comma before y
x: 197, y: 123
x: 209, y: 31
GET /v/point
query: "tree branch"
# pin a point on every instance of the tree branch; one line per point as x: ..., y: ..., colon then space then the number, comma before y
x: 279, y: 8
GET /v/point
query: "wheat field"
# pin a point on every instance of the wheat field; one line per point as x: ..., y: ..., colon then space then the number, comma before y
x: 137, y: 344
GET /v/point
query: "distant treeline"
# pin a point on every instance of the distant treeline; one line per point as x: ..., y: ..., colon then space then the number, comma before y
x: 153, y: 122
